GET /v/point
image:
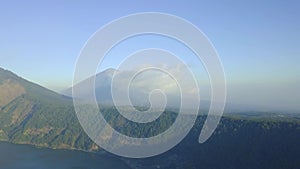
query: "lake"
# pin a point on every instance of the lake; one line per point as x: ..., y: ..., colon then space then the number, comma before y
x: 14, y: 156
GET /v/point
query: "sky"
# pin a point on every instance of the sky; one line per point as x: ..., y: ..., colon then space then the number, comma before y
x: 257, y: 41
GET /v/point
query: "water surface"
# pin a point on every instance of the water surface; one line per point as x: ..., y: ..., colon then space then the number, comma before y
x: 14, y: 156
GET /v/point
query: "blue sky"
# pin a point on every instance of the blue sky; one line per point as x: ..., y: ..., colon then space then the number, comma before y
x: 257, y: 41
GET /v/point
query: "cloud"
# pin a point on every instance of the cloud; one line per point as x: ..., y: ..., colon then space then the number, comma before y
x: 173, y: 81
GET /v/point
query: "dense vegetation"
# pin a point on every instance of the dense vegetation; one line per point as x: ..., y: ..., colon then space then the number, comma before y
x: 39, y: 116
x: 138, y: 130
x: 237, y: 143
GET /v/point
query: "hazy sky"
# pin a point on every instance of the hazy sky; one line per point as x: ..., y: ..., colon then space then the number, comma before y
x: 257, y: 41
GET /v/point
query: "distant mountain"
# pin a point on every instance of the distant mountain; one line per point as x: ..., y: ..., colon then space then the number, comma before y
x: 32, y: 114
x: 103, y: 87
x: 139, y: 89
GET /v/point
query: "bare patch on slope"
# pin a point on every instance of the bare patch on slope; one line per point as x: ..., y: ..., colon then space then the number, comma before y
x: 9, y: 90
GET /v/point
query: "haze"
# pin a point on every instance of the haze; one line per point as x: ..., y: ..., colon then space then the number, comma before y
x: 257, y: 41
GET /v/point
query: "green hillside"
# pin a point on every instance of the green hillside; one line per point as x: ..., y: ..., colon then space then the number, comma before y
x: 31, y: 114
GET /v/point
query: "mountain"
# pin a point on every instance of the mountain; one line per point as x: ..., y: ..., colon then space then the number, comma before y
x: 103, y: 87
x: 32, y: 114
x: 140, y: 86
x: 143, y: 84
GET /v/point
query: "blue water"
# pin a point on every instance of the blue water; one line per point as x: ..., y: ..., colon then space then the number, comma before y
x: 14, y: 156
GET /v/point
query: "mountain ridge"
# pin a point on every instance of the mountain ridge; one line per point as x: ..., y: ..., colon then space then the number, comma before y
x: 38, y: 116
